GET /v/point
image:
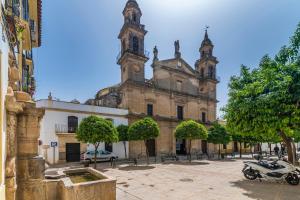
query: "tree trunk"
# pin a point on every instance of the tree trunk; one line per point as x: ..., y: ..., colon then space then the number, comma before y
x: 289, y: 147
x: 270, y: 147
x: 124, y: 143
x: 147, y: 153
x: 95, y: 155
x: 190, y: 147
x: 219, y: 152
x: 294, y: 152
x: 240, y: 149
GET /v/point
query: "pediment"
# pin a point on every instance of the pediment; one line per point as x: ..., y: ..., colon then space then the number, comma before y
x: 178, y: 64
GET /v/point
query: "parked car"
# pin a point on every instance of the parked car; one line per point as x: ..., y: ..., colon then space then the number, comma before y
x: 102, y: 155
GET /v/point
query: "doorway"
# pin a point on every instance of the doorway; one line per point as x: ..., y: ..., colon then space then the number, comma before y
x: 151, y: 147
x: 72, y: 152
x: 204, y: 146
x: 180, y: 147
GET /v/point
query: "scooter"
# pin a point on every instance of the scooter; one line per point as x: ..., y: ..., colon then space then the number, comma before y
x: 279, y: 170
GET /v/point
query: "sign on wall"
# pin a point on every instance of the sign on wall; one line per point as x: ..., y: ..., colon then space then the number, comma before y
x: 53, y: 144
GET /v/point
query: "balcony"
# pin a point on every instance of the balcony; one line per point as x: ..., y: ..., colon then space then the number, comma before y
x: 134, y: 24
x: 121, y: 53
x: 13, y: 6
x: 64, y: 129
x: 210, y: 76
x: 28, y: 55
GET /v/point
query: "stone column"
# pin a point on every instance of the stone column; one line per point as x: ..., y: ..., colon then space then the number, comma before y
x: 30, y: 167
x: 12, y: 108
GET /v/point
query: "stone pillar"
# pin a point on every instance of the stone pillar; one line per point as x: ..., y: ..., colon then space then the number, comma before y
x: 10, y: 165
x: 13, y: 108
x: 30, y: 167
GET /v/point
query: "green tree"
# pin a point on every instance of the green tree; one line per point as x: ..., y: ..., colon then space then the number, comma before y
x: 144, y: 130
x: 217, y: 134
x: 95, y: 130
x: 265, y: 101
x: 123, y: 135
x: 190, y: 130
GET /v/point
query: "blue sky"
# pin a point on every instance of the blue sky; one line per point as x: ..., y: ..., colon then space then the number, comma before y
x: 80, y: 44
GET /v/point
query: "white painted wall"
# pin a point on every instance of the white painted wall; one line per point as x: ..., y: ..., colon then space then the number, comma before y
x: 57, y: 113
x: 4, y: 48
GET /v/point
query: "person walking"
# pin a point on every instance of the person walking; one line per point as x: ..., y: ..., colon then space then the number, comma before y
x: 276, y: 150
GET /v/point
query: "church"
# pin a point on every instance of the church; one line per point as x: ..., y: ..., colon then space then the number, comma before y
x: 177, y: 91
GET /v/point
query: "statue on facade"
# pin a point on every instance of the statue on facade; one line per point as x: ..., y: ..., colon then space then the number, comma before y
x: 155, y: 53
x: 177, y: 49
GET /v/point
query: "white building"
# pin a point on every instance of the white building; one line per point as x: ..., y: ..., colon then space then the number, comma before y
x: 60, y: 122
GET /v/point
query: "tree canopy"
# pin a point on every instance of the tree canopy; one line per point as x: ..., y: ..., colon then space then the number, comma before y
x: 217, y: 134
x: 123, y: 132
x: 123, y: 136
x: 191, y: 130
x: 144, y: 129
x: 94, y: 130
x: 265, y: 101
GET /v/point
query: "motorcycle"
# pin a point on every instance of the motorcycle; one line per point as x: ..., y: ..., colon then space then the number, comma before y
x: 278, y: 170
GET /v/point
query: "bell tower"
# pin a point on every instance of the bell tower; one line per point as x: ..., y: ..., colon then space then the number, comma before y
x: 132, y: 57
x: 206, y: 68
x: 206, y: 65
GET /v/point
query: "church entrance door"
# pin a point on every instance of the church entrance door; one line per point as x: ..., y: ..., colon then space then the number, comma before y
x: 204, y: 146
x: 180, y: 147
x: 151, y: 147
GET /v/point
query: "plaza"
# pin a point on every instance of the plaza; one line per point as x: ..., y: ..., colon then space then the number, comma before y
x: 205, y: 179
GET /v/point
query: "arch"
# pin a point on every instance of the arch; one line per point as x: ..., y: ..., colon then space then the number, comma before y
x: 202, y: 72
x: 134, y: 17
x: 211, y: 72
x: 123, y: 46
x: 135, y: 44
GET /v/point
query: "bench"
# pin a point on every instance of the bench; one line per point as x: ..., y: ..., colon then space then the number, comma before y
x: 170, y: 156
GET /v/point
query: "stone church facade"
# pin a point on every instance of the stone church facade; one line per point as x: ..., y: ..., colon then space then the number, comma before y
x: 176, y: 92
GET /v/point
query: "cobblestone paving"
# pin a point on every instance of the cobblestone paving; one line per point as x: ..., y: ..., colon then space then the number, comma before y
x: 209, y: 180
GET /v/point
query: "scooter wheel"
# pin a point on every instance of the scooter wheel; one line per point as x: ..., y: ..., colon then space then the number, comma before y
x: 250, y: 174
x: 292, y: 179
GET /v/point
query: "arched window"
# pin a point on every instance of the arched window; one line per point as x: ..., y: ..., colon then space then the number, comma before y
x: 202, y: 72
x: 123, y: 46
x: 135, y: 44
x: 134, y: 18
x: 211, y: 72
x: 72, y: 124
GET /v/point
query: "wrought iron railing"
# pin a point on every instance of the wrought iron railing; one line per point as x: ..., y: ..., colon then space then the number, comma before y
x: 61, y: 128
x: 121, y: 53
x: 13, y: 6
x: 210, y: 76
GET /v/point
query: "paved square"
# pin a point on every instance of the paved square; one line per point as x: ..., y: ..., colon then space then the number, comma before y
x: 207, y: 180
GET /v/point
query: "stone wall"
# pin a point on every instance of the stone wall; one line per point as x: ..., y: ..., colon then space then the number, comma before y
x: 165, y: 104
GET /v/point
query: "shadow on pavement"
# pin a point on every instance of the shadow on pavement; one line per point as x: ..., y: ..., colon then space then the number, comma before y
x: 185, y: 163
x: 135, y: 168
x: 225, y: 160
x: 268, y: 190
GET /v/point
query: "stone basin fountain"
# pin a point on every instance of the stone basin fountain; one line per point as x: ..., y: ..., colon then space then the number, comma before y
x: 79, y: 184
